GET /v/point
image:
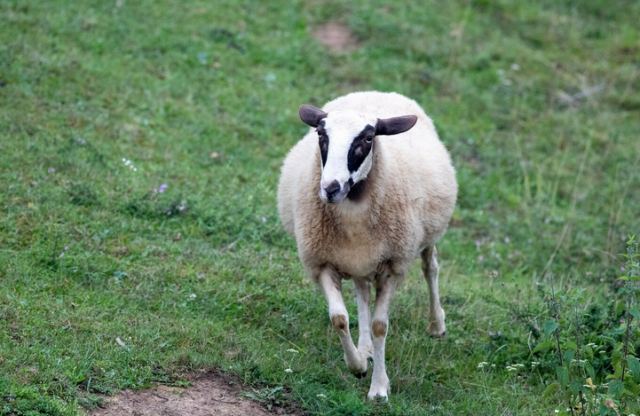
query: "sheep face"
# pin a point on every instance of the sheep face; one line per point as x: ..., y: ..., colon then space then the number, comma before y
x: 346, y: 149
x: 346, y: 141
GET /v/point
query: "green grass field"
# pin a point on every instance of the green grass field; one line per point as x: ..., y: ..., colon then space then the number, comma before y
x: 107, y: 283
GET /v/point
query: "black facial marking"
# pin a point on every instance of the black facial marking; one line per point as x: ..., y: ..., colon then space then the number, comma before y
x: 360, y: 148
x: 357, y: 190
x: 323, y: 141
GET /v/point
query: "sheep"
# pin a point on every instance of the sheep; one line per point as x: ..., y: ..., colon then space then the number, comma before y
x: 363, y: 206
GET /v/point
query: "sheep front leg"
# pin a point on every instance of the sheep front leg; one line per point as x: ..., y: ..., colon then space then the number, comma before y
x: 379, y: 380
x: 330, y: 284
x: 437, y: 327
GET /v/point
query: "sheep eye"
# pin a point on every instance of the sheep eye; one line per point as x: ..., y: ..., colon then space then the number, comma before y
x: 368, y: 139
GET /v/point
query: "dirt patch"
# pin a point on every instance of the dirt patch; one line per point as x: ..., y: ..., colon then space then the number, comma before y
x: 208, y: 395
x: 336, y: 37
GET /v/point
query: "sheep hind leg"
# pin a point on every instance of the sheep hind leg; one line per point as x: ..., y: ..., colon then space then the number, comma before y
x: 331, y: 287
x: 363, y: 294
x: 437, y: 326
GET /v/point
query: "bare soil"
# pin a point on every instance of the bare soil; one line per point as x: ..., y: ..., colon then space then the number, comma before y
x: 336, y: 37
x: 209, y: 394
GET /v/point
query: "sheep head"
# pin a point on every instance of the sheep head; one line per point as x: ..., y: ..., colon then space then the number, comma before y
x: 346, y: 140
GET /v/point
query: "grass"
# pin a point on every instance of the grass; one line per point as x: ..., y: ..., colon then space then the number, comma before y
x: 107, y: 283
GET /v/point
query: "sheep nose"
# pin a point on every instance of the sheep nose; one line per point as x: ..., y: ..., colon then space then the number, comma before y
x: 332, y: 189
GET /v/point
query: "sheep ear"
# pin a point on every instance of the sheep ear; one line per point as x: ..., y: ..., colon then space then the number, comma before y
x: 311, y: 115
x: 395, y: 125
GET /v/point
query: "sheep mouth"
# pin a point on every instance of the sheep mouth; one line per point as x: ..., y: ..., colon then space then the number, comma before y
x: 337, y: 198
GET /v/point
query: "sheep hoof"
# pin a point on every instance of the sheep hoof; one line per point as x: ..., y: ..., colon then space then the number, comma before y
x: 437, y: 327
x: 379, y: 390
x: 437, y: 332
x: 360, y: 375
x: 378, y: 396
x: 379, y: 399
x: 358, y: 367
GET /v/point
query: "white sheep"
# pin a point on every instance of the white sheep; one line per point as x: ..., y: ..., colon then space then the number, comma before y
x: 363, y: 206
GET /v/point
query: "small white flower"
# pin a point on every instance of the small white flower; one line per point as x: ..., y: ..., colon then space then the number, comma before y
x: 503, y: 79
x: 129, y: 164
x: 482, y: 364
x: 288, y: 370
x: 192, y: 296
x: 514, y: 367
x: 293, y: 351
x: 321, y: 396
